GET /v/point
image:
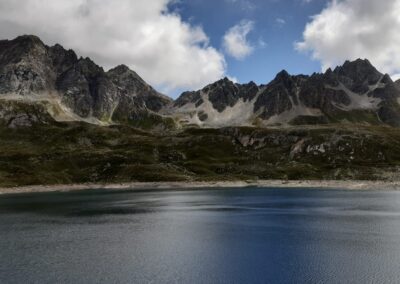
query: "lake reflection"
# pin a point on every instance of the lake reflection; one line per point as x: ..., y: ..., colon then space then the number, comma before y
x: 201, y: 236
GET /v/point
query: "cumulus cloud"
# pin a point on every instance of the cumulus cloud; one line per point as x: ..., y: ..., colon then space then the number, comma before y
x: 350, y: 29
x: 143, y: 34
x: 235, y: 40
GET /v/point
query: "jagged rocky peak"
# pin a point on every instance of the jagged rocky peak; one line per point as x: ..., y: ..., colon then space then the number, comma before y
x: 285, y: 79
x: 25, y: 66
x: 62, y: 59
x: 386, y: 79
x: 278, y: 96
x: 85, y: 88
x: 358, y: 75
x: 88, y: 66
x: 126, y: 77
x: 120, y: 69
x: 132, y: 86
x: 221, y: 93
x: 282, y: 76
x: 21, y: 46
x: 225, y: 93
x: 357, y: 68
x: 223, y: 103
x: 187, y: 98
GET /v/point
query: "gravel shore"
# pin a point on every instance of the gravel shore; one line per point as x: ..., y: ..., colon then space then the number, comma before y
x: 350, y: 185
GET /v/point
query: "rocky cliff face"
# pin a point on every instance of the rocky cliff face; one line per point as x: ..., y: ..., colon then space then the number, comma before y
x: 30, y: 71
x: 354, y: 92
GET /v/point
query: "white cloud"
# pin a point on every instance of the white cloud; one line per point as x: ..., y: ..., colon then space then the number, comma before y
x: 233, y: 79
x: 143, y: 34
x: 280, y: 21
x: 395, y: 77
x: 350, y: 29
x: 261, y: 43
x: 244, y: 5
x: 235, y: 40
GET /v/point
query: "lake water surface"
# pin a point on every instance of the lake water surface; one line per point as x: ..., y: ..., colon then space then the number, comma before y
x: 201, y: 236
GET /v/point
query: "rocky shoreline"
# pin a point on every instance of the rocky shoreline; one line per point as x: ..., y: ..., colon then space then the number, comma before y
x: 325, y: 184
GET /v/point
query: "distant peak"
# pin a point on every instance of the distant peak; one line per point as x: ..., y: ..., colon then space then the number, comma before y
x: 282, y: 75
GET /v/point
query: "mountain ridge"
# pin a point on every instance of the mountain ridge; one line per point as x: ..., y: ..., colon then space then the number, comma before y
x: 288, y: 99
x: 77, y: 89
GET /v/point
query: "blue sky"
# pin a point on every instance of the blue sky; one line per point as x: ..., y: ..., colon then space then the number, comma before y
x: 278, y: 23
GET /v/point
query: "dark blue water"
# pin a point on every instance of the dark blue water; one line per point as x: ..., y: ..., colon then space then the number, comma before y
x: 209, y: 236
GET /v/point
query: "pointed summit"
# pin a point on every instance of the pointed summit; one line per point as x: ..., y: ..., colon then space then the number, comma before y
x: 123, y: 73
x: 361, y: 74
x: 358, y: 68
x: 283, y: 78
x: 282, y: 75
x: 223, y: 83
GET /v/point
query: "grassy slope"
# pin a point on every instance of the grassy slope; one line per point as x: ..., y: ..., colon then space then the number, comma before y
x: 78, y: 152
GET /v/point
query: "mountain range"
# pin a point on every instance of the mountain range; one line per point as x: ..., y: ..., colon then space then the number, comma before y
x: 76, y: 89
x: 64, y: 119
